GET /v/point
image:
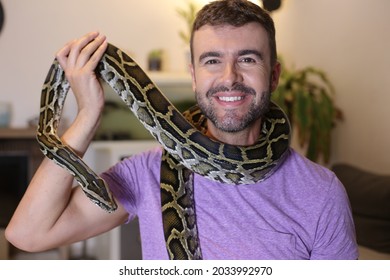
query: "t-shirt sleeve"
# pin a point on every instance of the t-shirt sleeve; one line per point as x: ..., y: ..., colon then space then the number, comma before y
x: 121, y: 183
x: 335, y: 236
x: 126, y: 178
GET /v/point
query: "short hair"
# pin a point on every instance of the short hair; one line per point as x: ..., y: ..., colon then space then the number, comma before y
x: 236, y: 13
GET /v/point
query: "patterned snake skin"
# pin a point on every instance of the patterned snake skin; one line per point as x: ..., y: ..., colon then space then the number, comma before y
x: 186, y: 148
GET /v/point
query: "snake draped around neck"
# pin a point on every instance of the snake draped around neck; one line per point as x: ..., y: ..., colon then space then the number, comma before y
x: 177, y: 189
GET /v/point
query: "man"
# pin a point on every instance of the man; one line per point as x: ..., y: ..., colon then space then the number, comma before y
x: 301, y: 211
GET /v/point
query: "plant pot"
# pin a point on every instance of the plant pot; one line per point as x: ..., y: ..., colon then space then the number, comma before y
x: 154, y: 64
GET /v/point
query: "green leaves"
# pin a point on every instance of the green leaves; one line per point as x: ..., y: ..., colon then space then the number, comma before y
x: 307, y: 97
x: 188, y: 15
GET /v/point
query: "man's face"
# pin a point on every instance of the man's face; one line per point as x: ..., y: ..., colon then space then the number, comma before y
x: 232, y: 75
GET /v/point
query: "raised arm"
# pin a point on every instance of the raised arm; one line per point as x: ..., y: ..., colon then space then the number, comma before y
x: 53, y: 212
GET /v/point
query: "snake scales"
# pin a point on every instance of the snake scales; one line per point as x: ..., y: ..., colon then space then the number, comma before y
x: 186, y: 148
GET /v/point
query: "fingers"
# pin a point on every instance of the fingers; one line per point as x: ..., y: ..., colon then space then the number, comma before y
x: 62, y: 54
x: 83, y: 52
x: 79, y: 59
x: 95, y: 51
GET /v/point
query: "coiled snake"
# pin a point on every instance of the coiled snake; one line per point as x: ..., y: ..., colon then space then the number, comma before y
x: 186, y: 149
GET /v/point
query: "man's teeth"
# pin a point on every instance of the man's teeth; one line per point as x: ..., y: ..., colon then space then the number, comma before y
x: 230, y: 98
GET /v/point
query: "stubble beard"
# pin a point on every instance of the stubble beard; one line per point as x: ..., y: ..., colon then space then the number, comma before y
x: 231, y: 121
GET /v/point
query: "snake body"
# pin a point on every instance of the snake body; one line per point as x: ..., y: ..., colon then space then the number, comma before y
x: 186, y: 148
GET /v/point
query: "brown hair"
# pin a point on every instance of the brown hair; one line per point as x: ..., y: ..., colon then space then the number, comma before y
x: 236, y: 13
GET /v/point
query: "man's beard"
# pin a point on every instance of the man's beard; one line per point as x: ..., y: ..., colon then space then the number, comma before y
x: 231, y: 121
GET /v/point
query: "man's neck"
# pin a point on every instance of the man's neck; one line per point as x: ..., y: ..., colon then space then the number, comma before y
x: 246, y: 137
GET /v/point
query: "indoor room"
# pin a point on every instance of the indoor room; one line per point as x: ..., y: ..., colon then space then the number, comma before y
x: 336, y: 48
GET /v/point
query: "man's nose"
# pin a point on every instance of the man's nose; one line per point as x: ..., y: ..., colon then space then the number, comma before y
x: 231, y: 74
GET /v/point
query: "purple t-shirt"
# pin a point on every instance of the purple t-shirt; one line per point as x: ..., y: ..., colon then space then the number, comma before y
x: 300, y: 212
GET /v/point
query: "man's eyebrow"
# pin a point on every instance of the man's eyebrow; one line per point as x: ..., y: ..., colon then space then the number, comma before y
x: 240, y: 53
x: 250, y: 51
x: 209, y: 54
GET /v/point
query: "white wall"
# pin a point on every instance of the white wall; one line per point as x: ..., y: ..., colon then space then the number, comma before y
x: 35, y: 30
x: 348, y: 39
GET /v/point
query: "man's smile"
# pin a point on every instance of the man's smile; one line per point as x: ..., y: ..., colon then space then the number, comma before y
x: 230, y: 98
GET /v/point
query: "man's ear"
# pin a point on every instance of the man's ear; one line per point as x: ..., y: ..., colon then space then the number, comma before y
x: 275, y: 75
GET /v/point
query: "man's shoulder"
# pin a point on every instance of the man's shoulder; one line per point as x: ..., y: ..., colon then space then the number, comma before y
x: 139, y: 162
x: 299, y: 161
x: 301, y: 168
x: 150, y: 155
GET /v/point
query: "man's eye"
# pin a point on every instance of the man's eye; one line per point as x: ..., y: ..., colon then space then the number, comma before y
x: 211, y: 61
x: 247, y: 60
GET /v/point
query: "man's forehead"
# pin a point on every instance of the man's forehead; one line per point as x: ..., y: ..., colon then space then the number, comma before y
x: 248, y: 36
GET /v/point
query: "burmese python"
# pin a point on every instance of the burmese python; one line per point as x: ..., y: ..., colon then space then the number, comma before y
x: 186, y: 148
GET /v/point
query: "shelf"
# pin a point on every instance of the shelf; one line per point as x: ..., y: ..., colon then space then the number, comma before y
x: 170, y: 78
x: 18, y: 133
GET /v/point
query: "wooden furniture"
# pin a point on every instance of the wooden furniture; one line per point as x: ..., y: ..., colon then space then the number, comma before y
x: 19, y: 158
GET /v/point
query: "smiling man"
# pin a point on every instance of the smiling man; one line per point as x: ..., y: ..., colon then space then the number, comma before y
x: 233, y: 77
x: 297, y: 210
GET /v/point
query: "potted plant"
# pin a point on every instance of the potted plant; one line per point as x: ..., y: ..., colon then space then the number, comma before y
x: 306, y: 95
x: 155, y: 60
x: 188, y: 15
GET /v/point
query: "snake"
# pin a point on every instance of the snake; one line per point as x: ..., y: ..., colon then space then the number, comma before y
x: 186, y: 148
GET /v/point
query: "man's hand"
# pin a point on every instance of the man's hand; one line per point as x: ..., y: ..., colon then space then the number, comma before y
x: 79, y: 59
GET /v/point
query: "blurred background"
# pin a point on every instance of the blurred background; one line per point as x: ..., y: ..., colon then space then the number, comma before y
x: 349, y: 40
